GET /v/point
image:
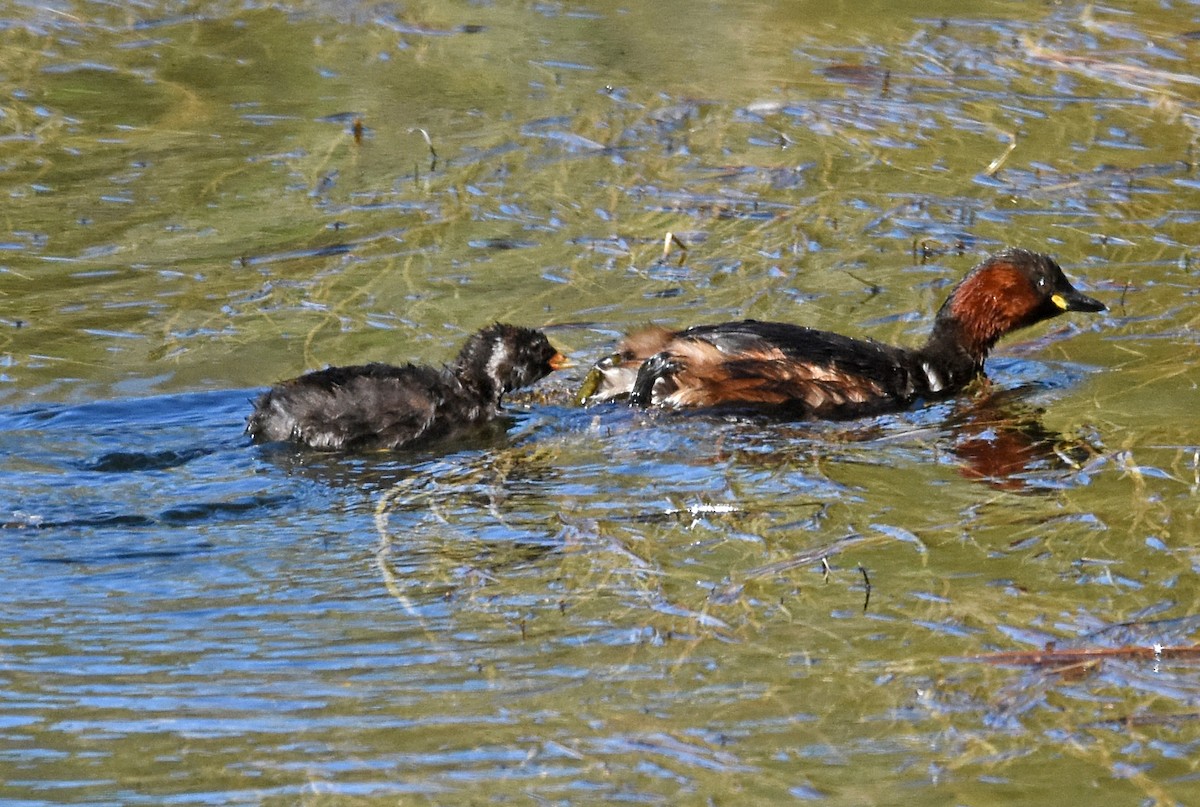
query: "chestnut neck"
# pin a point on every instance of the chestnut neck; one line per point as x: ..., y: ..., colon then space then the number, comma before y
x: 992, y: 301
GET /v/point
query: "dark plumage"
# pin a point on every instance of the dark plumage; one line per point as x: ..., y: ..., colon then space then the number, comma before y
x: 818, y: 374
x: 380, y: 406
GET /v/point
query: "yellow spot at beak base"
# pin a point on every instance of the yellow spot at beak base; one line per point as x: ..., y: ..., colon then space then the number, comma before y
x: 1059, y: 301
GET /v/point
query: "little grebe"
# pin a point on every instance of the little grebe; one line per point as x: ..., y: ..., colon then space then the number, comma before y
x: 817, y: 374
x: 379, y: 406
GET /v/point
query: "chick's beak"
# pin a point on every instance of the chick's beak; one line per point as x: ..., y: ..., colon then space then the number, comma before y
x: 560, y: 362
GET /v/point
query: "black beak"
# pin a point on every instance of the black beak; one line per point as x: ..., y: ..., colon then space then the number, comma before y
x: 1071, y: 300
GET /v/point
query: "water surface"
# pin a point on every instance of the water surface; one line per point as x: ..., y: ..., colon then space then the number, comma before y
x: 598, y: 605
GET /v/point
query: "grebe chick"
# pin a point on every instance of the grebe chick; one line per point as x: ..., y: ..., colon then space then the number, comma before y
x: 381, y: 406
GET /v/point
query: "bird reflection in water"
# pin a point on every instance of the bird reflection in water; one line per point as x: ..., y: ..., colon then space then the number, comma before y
x: 1001, y: 440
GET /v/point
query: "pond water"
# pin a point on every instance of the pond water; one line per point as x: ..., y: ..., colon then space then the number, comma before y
x: 596, y: 605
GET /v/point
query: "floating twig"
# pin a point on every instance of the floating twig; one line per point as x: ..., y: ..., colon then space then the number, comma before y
x: 671, y: 238
x: 1129, y: 721
x: 1052, y: 657
x: 1127, y: 75
x: 428, y: 142
x: 804, y: 558
x: 872, y: 288
x: 995, y: 164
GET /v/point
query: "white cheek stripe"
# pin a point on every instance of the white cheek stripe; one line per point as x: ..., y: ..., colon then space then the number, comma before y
x: 499, y: 354
x: 936, y: 384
